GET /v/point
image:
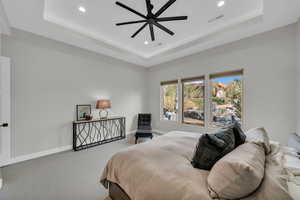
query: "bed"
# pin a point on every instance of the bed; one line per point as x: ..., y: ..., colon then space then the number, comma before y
x: 161, y: 170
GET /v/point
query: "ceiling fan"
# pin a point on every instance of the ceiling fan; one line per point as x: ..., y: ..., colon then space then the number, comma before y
x: 151, y: 19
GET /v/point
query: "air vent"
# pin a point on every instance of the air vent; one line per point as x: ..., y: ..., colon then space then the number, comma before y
x: 216, y: 18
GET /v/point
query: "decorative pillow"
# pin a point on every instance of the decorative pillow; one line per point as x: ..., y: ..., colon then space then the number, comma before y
x: 239, y: 134
x: 260, y: 137
x: 211, y: 148
x: 237, y: 174
x: 294, y: 142
x: 228, y: 137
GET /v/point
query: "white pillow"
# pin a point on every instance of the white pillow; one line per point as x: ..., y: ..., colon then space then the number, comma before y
x: 260, y: 137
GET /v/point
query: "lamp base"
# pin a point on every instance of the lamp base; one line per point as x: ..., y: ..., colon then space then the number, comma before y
x: 105, y: 116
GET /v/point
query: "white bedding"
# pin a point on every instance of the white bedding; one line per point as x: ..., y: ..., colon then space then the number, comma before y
x: 292, y: 164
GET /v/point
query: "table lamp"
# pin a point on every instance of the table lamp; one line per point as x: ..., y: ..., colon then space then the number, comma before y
x: 103, y: 105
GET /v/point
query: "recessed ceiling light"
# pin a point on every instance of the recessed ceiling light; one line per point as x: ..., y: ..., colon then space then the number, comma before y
x: 81, y: 9
x: 221, y: 3
x: 146, y: 42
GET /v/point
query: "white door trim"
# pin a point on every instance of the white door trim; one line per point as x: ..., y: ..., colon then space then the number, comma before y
x: 6, y: 108
x: 4, y: 23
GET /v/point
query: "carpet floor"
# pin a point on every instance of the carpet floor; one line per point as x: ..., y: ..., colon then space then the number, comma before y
x: 65, y: 176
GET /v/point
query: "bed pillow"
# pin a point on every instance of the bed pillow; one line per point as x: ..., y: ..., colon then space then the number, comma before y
x: 239, y: 134
x: 211, y: 148
x: 260, y: 137
x: 237, y: 174
x: 294, y: 142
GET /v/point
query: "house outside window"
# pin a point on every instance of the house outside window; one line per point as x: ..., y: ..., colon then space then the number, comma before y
x: 226, y: 98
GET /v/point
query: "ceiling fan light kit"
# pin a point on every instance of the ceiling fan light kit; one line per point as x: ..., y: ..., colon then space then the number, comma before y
x: 151, y: 19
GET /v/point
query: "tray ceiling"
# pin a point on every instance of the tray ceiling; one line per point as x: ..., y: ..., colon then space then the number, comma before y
x: 94, y: 26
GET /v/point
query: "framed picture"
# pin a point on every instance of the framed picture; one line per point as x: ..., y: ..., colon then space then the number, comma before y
x: 83, y: 111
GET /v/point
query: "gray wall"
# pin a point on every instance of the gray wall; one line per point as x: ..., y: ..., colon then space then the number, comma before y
x: 298, y: 76
x: 49, y: 78
x: 0, y: 43
x: 269, y: 63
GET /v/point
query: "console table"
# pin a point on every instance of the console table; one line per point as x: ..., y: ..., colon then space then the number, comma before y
x: 92, y: 133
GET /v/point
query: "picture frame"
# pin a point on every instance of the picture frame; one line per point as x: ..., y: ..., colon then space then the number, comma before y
x: 82, y: 111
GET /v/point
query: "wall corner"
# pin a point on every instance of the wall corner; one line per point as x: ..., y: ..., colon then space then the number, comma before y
x: 298, y: 75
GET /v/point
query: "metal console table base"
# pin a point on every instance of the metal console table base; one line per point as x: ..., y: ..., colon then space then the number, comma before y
x: 87, y: 134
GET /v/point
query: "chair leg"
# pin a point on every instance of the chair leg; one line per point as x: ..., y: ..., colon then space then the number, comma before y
x: 136, y: 139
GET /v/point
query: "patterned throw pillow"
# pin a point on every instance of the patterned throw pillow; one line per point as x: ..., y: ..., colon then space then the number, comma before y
x: 212, y: 147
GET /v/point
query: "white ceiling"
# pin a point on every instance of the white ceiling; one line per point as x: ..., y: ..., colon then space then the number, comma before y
x: 95, y: 30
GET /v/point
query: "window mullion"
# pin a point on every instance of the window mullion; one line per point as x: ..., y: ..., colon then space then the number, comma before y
x: 207, y: 101
x: 180, y: 102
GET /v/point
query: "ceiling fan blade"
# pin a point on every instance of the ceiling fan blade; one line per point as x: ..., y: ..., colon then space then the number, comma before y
x: 164, y: 19
x: 149, y: 6
x: 165, y: 7
x: 130, y: 9
x: 163, y: 28
x: 139, y: 30
x: 132, y: 22
x: 152, y: 32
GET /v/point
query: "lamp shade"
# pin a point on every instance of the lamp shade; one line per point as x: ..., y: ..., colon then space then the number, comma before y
x: 103, y: 104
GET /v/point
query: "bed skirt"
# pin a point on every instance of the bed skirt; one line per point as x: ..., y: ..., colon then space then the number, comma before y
x: 117, y: 193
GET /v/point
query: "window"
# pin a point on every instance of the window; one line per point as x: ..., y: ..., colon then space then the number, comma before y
x: 226, y: 98
x: 210, y: 101
x: 193, y: 101
x: 169, y: 100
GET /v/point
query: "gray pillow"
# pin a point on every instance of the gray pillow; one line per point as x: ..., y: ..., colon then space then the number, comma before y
x: 239, y: 134
x: 237, y: 174
x: 211, y: 148
x: 294, y: 142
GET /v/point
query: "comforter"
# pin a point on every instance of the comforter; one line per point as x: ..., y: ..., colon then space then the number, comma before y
x: 161, y: 170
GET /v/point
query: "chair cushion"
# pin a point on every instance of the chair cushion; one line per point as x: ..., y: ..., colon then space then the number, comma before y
x: 237, y: 174
x: 211, y: 148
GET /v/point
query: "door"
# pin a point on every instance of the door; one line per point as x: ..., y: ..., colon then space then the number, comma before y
x: 5, y: 109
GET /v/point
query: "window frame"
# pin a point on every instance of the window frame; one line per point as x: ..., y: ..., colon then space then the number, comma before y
x: 191, y: 79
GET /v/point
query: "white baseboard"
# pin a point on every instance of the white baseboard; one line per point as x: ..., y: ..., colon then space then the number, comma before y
x: 40, y: 154
x: 159, y: 132
x: 32, y: 156
x: 1, y: 180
